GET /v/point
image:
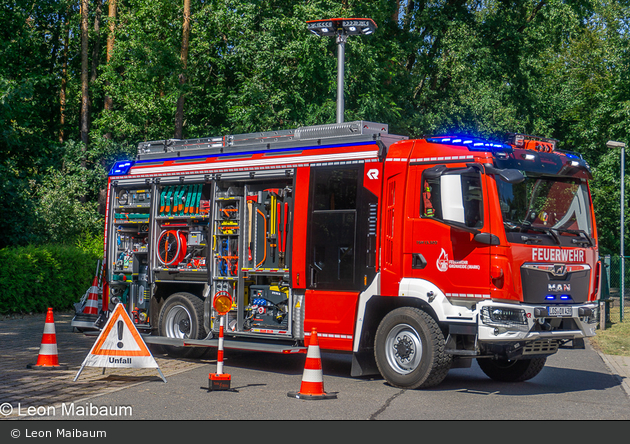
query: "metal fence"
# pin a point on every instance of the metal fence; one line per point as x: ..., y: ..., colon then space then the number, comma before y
x: 611, y: 284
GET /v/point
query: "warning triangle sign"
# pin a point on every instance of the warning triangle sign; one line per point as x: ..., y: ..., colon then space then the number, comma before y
x: 119, y: 345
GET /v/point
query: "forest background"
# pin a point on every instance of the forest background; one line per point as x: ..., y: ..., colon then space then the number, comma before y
x: 83, y: 81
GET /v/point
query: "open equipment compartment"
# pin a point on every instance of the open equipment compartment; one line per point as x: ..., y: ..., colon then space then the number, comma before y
x: 129, y: 250
x: 182, y: 217
x: 251, y: 230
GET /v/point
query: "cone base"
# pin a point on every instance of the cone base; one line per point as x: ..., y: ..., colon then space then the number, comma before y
x: 218, y: 382
x: 299, y: 395
x: 47, y: 367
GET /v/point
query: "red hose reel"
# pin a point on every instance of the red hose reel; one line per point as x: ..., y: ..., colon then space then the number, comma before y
x: 171, y: 247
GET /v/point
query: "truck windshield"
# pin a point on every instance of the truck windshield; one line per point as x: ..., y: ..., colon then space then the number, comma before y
x: 547, y: 210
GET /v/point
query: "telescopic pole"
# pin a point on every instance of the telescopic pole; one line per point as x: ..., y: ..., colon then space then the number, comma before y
x: 341, y: 56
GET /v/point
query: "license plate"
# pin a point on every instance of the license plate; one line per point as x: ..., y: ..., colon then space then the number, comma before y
x: 560, y: 311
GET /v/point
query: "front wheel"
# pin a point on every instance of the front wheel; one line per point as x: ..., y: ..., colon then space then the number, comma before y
x: 181, y: 317
x: 409, y: 349
x: 504, y: 370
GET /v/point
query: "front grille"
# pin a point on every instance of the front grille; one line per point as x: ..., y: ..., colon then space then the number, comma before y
x: 541, y: 347
x: 538, y: 283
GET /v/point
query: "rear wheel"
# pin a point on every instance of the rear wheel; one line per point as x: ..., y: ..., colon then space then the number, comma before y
x: 504, y: 370
x: 409, y: 349
x: 181, y: 317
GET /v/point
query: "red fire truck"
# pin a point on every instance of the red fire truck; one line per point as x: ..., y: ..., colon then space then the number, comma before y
x: 414, y: 256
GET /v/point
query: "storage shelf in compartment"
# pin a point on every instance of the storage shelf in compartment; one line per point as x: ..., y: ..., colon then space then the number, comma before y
x: 122, y: 250
x: 131, y: 221
x: 181, y: 270
x: 186, y: 216
x: 131, y: 207
x: 275, y: 271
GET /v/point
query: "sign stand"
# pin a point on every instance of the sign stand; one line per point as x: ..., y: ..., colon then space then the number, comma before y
x: 220, y: 381
x: 120, y: 345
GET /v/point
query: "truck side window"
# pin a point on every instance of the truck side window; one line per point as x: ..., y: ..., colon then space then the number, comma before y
x: 431, y: 205
x: 471, y: 199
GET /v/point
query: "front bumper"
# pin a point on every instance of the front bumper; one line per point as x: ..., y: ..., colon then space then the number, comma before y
x: 534, y: 323
x: 534, y: 333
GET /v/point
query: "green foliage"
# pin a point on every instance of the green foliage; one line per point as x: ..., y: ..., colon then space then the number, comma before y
x: 615, y: 338
x: 34, y: 278
x: 555, y: 68
x: 92, y: 244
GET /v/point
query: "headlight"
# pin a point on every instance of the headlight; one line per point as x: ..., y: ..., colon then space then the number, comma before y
x: 589, y: 315
x: 504, y: 317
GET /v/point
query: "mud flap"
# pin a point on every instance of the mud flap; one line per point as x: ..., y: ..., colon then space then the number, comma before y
x: 363, y: 364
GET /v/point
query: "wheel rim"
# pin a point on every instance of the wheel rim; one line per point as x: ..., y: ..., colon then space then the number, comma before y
x: 178, y: 322
x: 403, y: 348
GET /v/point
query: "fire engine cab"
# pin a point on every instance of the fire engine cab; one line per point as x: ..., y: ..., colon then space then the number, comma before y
x: 414, y: 256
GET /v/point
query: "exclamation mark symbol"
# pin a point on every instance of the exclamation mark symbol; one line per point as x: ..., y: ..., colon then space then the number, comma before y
x: 120, y: 333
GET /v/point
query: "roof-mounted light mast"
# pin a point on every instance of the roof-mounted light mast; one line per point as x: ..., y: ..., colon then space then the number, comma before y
x: 341, y: 29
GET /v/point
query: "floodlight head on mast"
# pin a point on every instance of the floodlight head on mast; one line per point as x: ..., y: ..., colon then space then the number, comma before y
x: 341, y: 26
x: 615, y: 144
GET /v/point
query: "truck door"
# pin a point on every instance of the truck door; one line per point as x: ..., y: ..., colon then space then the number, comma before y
x: 447, y: 212
x: 340, y: 251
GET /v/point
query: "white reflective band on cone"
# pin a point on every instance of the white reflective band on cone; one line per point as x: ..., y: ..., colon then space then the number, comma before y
x: 312, y: 375
x: 313, y: 352
x: 48, y: 349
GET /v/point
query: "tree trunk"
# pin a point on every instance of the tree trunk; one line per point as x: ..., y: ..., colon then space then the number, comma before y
x: 97, y: 41
x: 109, y: 103
x: 64, y: 77
x: 84, y: 74
x: 179, y: 115
x: 110, y: 43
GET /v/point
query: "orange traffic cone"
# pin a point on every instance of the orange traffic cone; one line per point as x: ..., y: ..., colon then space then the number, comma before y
x: 312, y: 380
x: 89, y: 315
x: 48, y: 358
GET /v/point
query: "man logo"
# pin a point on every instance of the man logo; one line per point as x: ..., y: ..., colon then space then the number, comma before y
x: 559, y: 270
x: 372, y: 174
x: 558, y: 288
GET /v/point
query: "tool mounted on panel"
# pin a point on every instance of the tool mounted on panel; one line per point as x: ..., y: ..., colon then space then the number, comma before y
x: 282, y: 233
x: 274, y: 194
x: 250, y: 225
x: 265, y: 238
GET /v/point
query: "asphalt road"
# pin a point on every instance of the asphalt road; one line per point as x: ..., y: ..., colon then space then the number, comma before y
x: 574, y: 385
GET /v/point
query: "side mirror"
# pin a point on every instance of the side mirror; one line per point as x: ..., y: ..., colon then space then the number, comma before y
x: 487, y: 238
x: 435, y: 172
x: 506, y: 175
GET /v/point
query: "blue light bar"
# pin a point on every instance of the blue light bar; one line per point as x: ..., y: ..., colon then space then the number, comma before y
x: 571, y: 154
x: 470, y: 143
x: 550, y: 297
x: 121, y: 168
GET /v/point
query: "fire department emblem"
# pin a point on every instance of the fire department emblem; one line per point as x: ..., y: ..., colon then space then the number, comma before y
x: 442, y: 262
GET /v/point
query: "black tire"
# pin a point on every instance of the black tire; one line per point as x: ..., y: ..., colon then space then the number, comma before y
x: 504, y: 370
x: 409, y: 349
x: 181, y: 317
